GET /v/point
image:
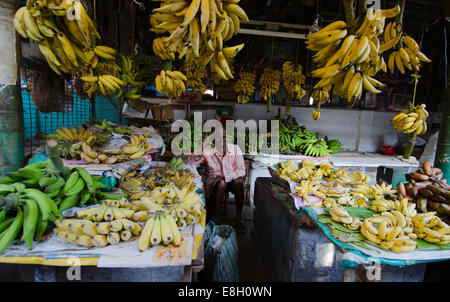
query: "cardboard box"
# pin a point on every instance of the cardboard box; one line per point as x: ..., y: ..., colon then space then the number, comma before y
x: 162, y: 113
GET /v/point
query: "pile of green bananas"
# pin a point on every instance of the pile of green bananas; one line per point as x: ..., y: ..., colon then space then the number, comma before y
x: 77, y: 188
x: 25, y: 215
x: 24, y: 207
x: 176, y: 163
x: 295, y: 139
x: 120, y: 130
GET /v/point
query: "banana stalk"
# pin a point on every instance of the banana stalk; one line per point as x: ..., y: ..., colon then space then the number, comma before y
x: 349, y: 15
x: 288, y: 106
x: 412, y: 136
x: 399, y: 20
x: 410, y: 146
x: 54, y: 156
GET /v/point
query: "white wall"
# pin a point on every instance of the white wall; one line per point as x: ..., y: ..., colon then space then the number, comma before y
x: 357, y: 130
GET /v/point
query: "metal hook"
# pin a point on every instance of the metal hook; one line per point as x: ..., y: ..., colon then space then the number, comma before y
x: 370, y: 5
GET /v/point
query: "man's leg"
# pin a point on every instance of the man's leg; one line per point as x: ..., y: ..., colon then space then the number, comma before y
x: 219, y: 192
x: 238, y: 191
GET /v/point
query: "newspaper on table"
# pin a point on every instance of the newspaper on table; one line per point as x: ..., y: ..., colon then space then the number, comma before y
x: 123, y: 254
x: 117, y: 169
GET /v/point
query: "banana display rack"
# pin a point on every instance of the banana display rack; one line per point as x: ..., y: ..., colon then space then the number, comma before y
x: 367, y: 224
x: 101, y: 256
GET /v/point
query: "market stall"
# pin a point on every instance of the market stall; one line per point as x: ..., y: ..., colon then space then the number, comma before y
x: 320, y: 247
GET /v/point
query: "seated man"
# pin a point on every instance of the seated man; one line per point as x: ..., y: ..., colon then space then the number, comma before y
x: 225, y: 169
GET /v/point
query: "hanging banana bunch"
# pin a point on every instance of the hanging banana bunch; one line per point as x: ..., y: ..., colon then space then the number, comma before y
x: 408, y: 57
x: 161, y: 50
x: 349, y: 61
x: 244, y: 86
x: 195, y: 72
x: 66, y: 37
x: 411, y: 120
x: 170, y: 83
x: 292, y: 80
x: 198, y: 29
x: 270, y: 83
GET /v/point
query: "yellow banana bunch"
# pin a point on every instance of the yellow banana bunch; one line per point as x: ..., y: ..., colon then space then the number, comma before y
x: 403, y: 58
x: 170, y: 83
x: 270, y: 83
x: 316, y: 115
x: 412, y: 120
x: 244, y: 86
x: 64, y: 31
x: 221, y: 67
x: 390, y: 230
x: 199, y: 28
x: 136, y: 148
x: 349, y: 62
x: 161, y: 50
x: 195, y: 72
x: 293, y: 79
x: 429, y: 227
x: 321, y: 95
x: 339, y: 214
x: 308, y: 187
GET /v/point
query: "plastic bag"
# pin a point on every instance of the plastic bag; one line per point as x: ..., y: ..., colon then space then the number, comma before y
x: 221, y: 253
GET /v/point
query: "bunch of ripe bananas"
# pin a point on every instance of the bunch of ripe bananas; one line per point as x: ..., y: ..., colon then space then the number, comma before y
x: 66, y: 44
x: 349, y: 61
x: 183, y: 205
x: 378, y: 190
x: 179, y: 178
x: 80, y: 134
x: 199, y: 28
x: 412, y: 120
x: 381, y: 205
x: 137, y: 185
x: 308, y: 170
x: 321, y: 95
x: 339, y: 214
x: 170, y: 83
x: 136, y: 148
x: 409, y: 56
x: 195, y: 72
x: 160, y: 228
x: 104, y: 126
x: 113, y: 81
x: 270, y: 83
x: 391, y: 230
x: 316, y: 114
x: 64, y: 34
x: 431, y: 228
x: 70, y: 142
x: 244, y: 86
x: 160, y: 49
x: 309, y: 187
x: 99, y: 226
x: 349, y: 179
x: 293, y: 78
